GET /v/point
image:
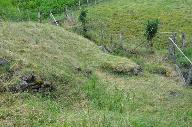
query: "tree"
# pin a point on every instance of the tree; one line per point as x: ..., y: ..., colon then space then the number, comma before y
x: 151, y: 31
x: 83, y: 20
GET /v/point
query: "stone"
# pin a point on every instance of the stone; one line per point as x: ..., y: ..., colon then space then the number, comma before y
x: 88, y: 73
x: 32, y: 83
x: 137, y: 70
x: 3, y: 62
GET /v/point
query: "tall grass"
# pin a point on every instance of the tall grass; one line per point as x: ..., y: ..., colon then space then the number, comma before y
x: 103, y: 99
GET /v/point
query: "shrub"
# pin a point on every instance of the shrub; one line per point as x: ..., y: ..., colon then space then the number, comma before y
x: 83, y: 20
x: 151, y: 30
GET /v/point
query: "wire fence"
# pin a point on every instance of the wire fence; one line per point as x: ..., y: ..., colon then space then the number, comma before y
x: 176, y: 52
x: 99, y: 32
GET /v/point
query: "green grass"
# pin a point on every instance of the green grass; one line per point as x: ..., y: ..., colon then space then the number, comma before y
x: 182, y: 61
x: 55, y: 58
x: 130, y: 18
x: 113, y: 96
x: 105, y: 99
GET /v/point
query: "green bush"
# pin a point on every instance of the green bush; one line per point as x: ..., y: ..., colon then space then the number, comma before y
x: 151, y: 30
x: 83, y: 20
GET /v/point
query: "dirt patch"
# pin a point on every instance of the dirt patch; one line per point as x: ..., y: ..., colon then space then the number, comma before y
x: 32, y: 83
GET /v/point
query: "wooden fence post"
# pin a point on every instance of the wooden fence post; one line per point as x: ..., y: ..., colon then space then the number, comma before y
x: 121, y: 40
x: 113, y: 46
x: 67, y: 15
x: 189, y: 78
x: 80, y: 4
x: 39, y: 17
x: 183, y: 41
x: 28, y: 15
x: 174, y: 37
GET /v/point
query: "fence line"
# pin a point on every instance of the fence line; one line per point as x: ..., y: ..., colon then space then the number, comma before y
x: 180, y: 51
x: 186, y: 80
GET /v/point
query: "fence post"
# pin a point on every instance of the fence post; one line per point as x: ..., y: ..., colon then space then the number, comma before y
x: 19, y: 11
x: 174, y: 37
x: 67, y: 14
x: 28, y: 15
x: 189, y: 78
x: 112, y: 43
x: 183, y: 41
x: 87, y: 2
x: 39, y: 17
x: 121, y: 40
x: 80, y: 4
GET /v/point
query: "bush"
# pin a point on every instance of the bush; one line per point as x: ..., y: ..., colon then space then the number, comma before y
x: 151, y: 30
x: 83, y: 20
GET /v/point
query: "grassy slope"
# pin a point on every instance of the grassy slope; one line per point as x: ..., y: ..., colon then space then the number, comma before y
x: 153, y: 105
x: 54, y: 54
x: 106, y: 99
x: 130, y: 16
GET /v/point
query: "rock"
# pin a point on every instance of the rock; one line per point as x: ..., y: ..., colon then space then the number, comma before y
x: 3, y: 62
x: 23, y: 86
x: 88, y: 73
x: 32, y: 83
x: 137, y: 70
x: 29, y: 78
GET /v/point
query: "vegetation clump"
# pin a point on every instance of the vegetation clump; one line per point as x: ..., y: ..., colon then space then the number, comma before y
x: 83, y: 20
x: 121, y: 67
x: 151, y: 31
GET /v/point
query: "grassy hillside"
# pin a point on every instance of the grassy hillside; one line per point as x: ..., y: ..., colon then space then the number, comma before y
x: 54, y: 55
x: 72, y: 83
x: 111, y: 96
x: 130, y: 16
